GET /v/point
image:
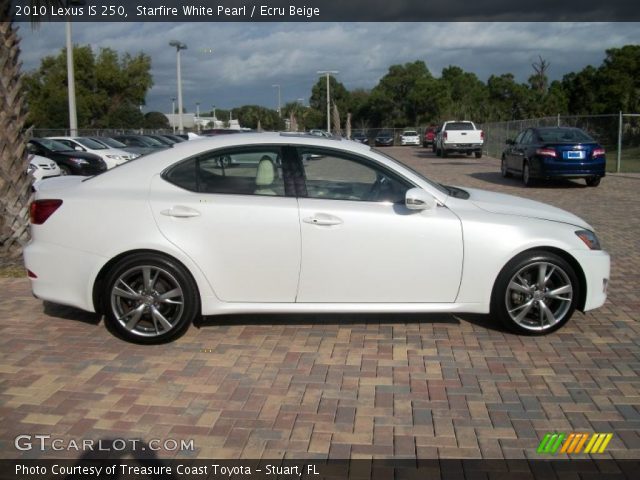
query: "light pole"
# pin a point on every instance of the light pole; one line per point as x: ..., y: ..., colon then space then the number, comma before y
x: 71, y: 82
x: 179, y: 46
x: 328, y: 73
x: 279, y: 99
x: 198, y: 116
x: 173, y: 113
x: 213, y: 107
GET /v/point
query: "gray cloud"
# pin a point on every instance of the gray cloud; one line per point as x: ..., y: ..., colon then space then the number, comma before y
x: 248, y: 58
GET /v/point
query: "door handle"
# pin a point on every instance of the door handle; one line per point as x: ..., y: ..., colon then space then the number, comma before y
x: 180, y: 211
x: 323, y: 219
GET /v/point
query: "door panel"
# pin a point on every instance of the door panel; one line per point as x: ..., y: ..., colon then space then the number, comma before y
x: 378, y: 252
x: 248, y: 246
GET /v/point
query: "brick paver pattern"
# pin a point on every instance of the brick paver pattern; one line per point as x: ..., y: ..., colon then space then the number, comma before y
x: 340, y: 386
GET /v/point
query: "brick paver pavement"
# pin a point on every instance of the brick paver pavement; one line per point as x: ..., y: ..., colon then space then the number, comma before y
x: 339, y: 386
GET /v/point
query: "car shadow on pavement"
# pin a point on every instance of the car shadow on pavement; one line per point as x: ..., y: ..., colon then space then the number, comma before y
x: 324, y: 318
x: 70, y: 313
x: 483, y: 321
x: 497, y: 179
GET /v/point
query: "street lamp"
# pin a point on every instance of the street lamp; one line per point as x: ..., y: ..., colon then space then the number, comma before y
x: 213, y: 107
x: 179, y: 46
x: 328, y: 73
x: 279, y: 99
x: 71, y: 78
x: 173, y: 113
x: 198, y: 116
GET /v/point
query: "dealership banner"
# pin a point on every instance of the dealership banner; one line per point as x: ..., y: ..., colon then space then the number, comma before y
x: 322, y: 11
x: 157, y: 469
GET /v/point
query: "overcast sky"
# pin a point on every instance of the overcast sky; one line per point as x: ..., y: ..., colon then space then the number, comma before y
x: 234, y: 64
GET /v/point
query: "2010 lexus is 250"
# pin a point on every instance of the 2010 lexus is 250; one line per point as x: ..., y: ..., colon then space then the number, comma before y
x: 282, y: 223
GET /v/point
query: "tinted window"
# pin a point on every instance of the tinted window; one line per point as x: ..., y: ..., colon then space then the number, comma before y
x: 519, y: 137
x: 240, y: 172
x: 528, y: 136
x: 336, y: 176
x: 88, y: 143
x: 460, y: 126
x: 564, y: 135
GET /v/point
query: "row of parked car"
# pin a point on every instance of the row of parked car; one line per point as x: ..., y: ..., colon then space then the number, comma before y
x: 63, y: 155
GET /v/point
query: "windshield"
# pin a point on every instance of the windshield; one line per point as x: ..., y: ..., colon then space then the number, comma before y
x: 110, y: 142
x: 410, y: 133
x: 54, y: 145
x: 90, y: 144
x: 564, y: 135
x: 152, y: 141
x: 436, y: 185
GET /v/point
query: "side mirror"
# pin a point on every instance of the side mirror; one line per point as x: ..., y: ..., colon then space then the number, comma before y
x: 510, y: 141
x: 418, y: 199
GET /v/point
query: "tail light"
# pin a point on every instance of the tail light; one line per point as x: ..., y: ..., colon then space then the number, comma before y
x: 546, y: 152
x: 444, y: 135
x: 481, y: 135
x: 41, y: 210
x: 598, y: 152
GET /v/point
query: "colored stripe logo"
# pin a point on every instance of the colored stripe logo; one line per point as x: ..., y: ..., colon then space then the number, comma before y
x: 572, y: 443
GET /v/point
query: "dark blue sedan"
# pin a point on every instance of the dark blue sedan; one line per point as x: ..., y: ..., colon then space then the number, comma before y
x: 554, y: 152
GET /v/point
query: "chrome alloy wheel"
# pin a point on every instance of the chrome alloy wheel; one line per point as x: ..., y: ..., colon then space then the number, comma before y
x: 147, y: 301
x: 539, y: 296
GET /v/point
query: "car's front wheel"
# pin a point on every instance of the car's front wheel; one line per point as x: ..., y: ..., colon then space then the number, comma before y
x: 526, y: 175
x: 504, y: 171
x: 149, y: 299
x: 535, y: 293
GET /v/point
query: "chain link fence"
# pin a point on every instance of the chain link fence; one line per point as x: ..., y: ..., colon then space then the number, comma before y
x: 619, y: 134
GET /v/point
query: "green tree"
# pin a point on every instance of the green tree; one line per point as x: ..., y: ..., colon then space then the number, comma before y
x: 109, y: 89
x: 249, y: 115
x: 318, y: 101
x: 460, y: 95
x: 155, y: 120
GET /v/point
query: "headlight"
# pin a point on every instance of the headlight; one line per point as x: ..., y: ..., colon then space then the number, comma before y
x: 589, y: 238
x: 115, y: 157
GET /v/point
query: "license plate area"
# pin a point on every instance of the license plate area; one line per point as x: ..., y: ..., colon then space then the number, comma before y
x: 573, y: 155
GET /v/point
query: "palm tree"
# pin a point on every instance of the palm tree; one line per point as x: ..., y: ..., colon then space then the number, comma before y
x: 15, y: 185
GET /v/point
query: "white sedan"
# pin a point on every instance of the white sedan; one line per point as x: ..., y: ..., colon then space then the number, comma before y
x: 181, y: 233
x: 409, y: 137
x: 41, y: 167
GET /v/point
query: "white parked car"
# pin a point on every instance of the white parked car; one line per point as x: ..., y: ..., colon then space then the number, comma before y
x: 111, y: 156
x: 42, y: 167
x: 409, y: 137
x: 167, y: 237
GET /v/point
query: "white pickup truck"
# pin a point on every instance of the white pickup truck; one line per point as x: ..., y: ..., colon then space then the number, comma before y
x: 459, y: 137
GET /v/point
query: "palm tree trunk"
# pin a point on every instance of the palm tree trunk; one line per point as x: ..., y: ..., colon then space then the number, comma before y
x: 15, y: 184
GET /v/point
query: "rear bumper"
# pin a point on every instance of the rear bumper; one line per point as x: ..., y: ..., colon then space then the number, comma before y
x: 551, y: 168
x: 64, y: 276
x: 462, y: 147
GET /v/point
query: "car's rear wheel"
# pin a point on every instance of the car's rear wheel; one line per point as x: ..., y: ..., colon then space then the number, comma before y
x: 593, y: 181
x: 478, y: 154
x: 526, y: 175
x: 535, y: 293
x: 149, y: 299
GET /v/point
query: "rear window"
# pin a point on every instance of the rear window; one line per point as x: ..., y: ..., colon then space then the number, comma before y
x: 564, y: 135
x: 459, y: 126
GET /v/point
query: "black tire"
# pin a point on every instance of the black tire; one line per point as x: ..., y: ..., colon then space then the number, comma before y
x: 64, y: 170
x: 526, y: 174
x: 162, y: 310
x: 524, y: 271
x: 478, y: 154
x: 593, y: 181
x: 445, y: 154
x: 469, y: 154
x: 433, y: 148
x: 504, y: 171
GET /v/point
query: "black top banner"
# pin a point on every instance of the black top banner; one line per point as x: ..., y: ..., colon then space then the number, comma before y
x: 322, y: 10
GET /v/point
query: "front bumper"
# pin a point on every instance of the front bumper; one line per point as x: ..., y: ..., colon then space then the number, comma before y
x: 596, y: 266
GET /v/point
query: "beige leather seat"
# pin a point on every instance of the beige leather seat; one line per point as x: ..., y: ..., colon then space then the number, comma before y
x: 265, y: 176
